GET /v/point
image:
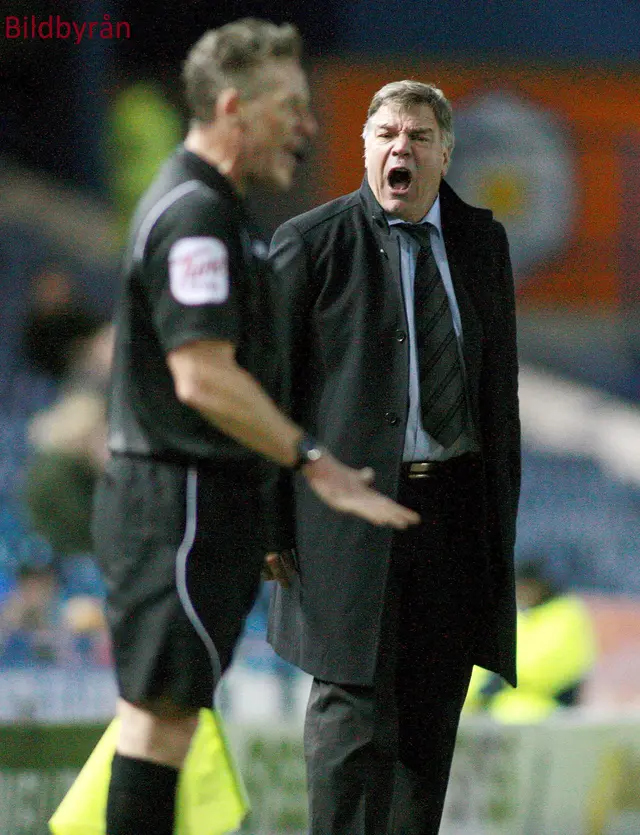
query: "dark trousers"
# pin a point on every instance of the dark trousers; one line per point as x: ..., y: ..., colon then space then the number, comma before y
x: 378, y: 758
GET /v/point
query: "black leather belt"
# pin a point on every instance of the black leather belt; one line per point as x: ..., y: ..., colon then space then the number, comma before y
x: 438, y: 469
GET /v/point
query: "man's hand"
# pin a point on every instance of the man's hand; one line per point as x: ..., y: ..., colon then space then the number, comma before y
x: 349, y: 491
x: 281, y: 567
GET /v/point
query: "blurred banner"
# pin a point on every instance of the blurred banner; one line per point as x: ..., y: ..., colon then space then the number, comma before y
x: 552, y: 151
x: 571, y: 775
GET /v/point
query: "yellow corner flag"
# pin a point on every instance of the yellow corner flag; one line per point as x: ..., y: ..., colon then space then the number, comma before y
x: 211, y: 799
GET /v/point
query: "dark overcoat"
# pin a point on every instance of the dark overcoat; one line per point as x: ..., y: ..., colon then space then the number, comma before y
x: 341, y: 319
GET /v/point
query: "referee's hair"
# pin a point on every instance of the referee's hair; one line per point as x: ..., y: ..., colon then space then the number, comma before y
x: 232, y: 56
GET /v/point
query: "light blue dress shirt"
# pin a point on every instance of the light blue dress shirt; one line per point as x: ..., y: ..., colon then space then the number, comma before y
x: 419, y: 445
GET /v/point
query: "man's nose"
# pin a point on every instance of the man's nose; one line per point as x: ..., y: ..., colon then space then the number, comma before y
x: 306, y: 125
x: 401, y: 144
x: 310, y: 125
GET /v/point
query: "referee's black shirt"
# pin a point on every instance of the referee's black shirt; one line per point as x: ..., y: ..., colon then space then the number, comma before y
x: 194, y: 270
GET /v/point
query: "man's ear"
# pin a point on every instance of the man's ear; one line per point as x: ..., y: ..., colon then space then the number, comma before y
x: 446, y: 159
x: 227, y: 103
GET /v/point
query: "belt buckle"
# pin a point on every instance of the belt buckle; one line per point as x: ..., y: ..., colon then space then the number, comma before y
x: 421, y: 469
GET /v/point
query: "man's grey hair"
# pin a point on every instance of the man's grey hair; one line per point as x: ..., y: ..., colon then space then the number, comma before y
x: 408, y: 94
x: 234, y: 56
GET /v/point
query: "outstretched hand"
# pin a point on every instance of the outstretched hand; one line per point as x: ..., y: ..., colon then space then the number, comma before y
x: 349, y: 491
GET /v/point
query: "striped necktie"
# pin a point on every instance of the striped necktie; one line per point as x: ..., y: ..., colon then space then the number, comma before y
x: 443, y: 403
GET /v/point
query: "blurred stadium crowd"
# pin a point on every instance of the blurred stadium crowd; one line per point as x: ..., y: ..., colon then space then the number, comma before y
x: 64, y: 201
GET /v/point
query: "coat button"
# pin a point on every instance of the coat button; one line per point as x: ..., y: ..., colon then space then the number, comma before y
x: 391, y: 418
x: 400, y: 335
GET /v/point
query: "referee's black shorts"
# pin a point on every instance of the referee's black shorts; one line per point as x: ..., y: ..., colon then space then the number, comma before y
x: 180, y: 550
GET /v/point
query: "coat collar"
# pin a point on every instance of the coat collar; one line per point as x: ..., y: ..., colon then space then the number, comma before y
x: 454, y: 211
x: 373, y: 210
x: 457, y: 213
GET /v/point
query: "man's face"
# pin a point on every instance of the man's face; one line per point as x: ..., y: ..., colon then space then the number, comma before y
x: 277, y: 125
x: 405, y: 159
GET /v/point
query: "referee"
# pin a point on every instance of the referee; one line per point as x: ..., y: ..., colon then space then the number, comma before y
x: 177, y: 521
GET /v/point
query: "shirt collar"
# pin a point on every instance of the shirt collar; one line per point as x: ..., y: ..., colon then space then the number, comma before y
x: 208, y: 173
x: 432, y: 216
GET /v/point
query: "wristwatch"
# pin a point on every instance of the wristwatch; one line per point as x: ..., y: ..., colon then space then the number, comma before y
x: 309, y: 450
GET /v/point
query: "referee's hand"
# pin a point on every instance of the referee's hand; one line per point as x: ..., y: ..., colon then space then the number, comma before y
x: 349, y: 491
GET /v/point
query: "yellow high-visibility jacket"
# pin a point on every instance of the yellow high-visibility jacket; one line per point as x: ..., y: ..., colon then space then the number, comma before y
x: 556, y: 651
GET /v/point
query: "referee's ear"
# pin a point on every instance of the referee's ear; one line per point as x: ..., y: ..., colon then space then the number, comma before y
x: 227, y: 103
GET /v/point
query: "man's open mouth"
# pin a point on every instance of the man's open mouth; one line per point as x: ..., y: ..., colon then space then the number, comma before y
x: 399, y: 179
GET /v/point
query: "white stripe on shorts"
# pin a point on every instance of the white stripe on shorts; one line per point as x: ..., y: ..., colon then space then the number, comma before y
x: 182, y: 557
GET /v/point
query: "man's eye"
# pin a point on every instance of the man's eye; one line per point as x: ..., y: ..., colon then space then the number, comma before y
x: 297, y: 107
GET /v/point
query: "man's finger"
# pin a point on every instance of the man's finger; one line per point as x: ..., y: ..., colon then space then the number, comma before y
x: 400, y: 518
x: 380, y: 510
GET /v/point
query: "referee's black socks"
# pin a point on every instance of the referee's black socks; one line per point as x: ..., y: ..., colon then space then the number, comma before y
x: 141, y: 798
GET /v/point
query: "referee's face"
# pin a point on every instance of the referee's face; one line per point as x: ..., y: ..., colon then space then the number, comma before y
x: 277, y: 125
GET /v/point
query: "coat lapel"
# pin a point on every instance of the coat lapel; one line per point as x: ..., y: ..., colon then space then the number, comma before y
x: 387, y: 244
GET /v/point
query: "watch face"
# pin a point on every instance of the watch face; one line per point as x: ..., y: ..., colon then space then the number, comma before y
x: 309, y: 449
x: 314, y: 453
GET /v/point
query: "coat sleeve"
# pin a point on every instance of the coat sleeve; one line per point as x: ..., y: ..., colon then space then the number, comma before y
x: 507, y: 350
x: 289, y: 279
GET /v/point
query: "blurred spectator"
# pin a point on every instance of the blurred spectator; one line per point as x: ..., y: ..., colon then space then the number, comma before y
x: 64, y: 347
x: 73, y: 346
x: 39, y: 624
x: 556, y: 652
x: 70, y: 450
x: 30, y: 616
x: 52, y: 339
x: 56, y: 327
x: 83, y: 615
x: 143, y: 128
x: 90, y: 365
x: 84, y: 621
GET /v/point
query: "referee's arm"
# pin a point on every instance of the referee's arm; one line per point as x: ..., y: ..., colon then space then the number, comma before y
x: 207, y: 378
